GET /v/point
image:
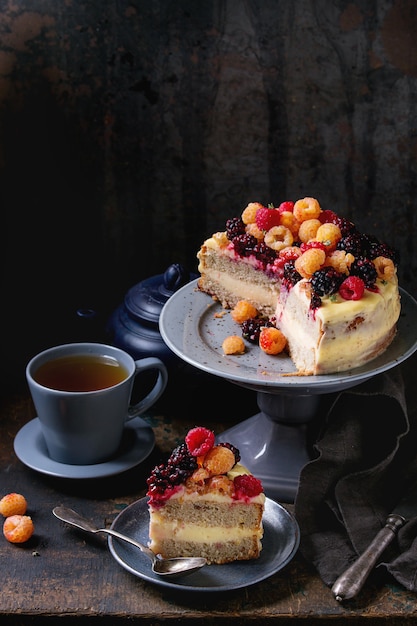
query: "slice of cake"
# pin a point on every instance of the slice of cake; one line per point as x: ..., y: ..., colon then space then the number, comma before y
x: 203, y: 502
x: 331, y: 290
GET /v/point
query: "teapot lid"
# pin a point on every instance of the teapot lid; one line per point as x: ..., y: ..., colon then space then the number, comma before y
x: 145, y: 300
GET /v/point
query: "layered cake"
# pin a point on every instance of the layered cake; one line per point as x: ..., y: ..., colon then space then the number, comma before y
x: 331, y: 290
x: 204, y: 502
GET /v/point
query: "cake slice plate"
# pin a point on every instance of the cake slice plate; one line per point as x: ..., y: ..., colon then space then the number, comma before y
x: 280, y: 544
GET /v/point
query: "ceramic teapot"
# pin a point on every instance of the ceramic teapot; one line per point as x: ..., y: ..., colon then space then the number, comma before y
x: 134, y: 325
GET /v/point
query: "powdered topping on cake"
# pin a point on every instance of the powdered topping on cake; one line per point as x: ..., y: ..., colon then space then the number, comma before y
x: 330, y: 289
x: 204, y: 502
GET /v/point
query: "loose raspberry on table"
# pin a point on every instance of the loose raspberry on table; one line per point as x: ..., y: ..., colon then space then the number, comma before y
x: 267, y: 218
x: 247, y: 486
x: 18, y: 528
x: 352, y: 288
x: 13, y: 504
x: 199, y: 441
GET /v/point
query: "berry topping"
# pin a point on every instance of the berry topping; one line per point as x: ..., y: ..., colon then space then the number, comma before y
x: 219, y: 460
x: 235, y: 227
x: 365, y: 269
x: 312, y: 244
x: 199, y: 441
x: 326, y: 281
x: 244, y: 244
x: 288, y: 205
x: 165, y: 477
x: 291, y: 276
x: 233, y: 449
x: 267, y: 218
x: 352, y: 288
x: 247, y: 486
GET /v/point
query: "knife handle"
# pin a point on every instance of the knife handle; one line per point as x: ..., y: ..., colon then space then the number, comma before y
x: 349, y: 583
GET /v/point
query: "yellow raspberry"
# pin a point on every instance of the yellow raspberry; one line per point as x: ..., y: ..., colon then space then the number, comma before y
x: 278, y: 238
x: 309, y: 262
x: 18, y: 528
x: 385, y: 267
x: 308, y: 229
x: 340, y: 260
x: 219, y: 460
x: 254, y: 230
x: 329, y: 234
x: 243, y: 311
x: 288, y: 220
x: 233, y: 345
x: 13, y: 504
x: 306, y: 209
x: 272, y: 340
x: 249, y: 214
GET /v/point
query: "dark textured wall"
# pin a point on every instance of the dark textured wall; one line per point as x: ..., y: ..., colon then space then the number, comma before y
x: 130, y: 130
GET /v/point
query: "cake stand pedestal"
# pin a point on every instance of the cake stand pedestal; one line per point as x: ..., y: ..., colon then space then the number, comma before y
x: 277, y: 442
x: 274, y: 444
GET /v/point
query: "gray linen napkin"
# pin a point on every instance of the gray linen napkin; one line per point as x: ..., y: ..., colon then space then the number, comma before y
x: 366, y: 456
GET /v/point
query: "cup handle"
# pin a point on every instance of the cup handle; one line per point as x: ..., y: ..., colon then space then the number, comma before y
x: 141, y: 365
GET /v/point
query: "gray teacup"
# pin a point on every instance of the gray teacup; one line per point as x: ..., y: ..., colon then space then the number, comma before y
x: 82, y: 395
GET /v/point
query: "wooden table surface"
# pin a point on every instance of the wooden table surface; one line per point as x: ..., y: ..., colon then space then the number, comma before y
x: 62, y: 573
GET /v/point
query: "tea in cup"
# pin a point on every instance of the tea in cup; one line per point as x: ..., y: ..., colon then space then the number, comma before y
x: 82, y: 394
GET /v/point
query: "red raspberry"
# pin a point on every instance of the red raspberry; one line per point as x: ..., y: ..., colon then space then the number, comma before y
x: 247, y: 486
x: 289, y: 254
x: 352, y: 288
x: 199, y: 441
x: 312, y: 244
x: 327, y: 216
x: 267, y: 218
x: 288, y: 205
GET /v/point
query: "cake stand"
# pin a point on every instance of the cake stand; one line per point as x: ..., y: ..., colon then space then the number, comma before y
x: 276, y: 442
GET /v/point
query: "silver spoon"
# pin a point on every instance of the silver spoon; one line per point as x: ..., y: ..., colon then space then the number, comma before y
x: 179, y: 566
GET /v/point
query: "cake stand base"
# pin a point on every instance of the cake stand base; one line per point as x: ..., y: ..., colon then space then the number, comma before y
x: 274, y: 444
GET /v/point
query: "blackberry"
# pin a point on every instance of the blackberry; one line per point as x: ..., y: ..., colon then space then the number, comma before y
x: 353, y: 243
x: 233, y: 449
x: 377, y: 248
x: 264, y: 253
x: 291, y: 276
x: 177, y: 469
x: 365, y: 269
x: 234, y: 227
x: 251, y: 328
x: 326, y: 281
x: 346, y: 227
x: 244, y: 244
x: 315, y: 302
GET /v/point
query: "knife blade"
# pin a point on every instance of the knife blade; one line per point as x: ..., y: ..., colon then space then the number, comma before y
x: 351, y: 581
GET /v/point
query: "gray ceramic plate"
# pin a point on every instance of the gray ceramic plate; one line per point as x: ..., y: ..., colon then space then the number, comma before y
x: 280, y: 543
x: 193, y: 326
x: 138, y: 442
